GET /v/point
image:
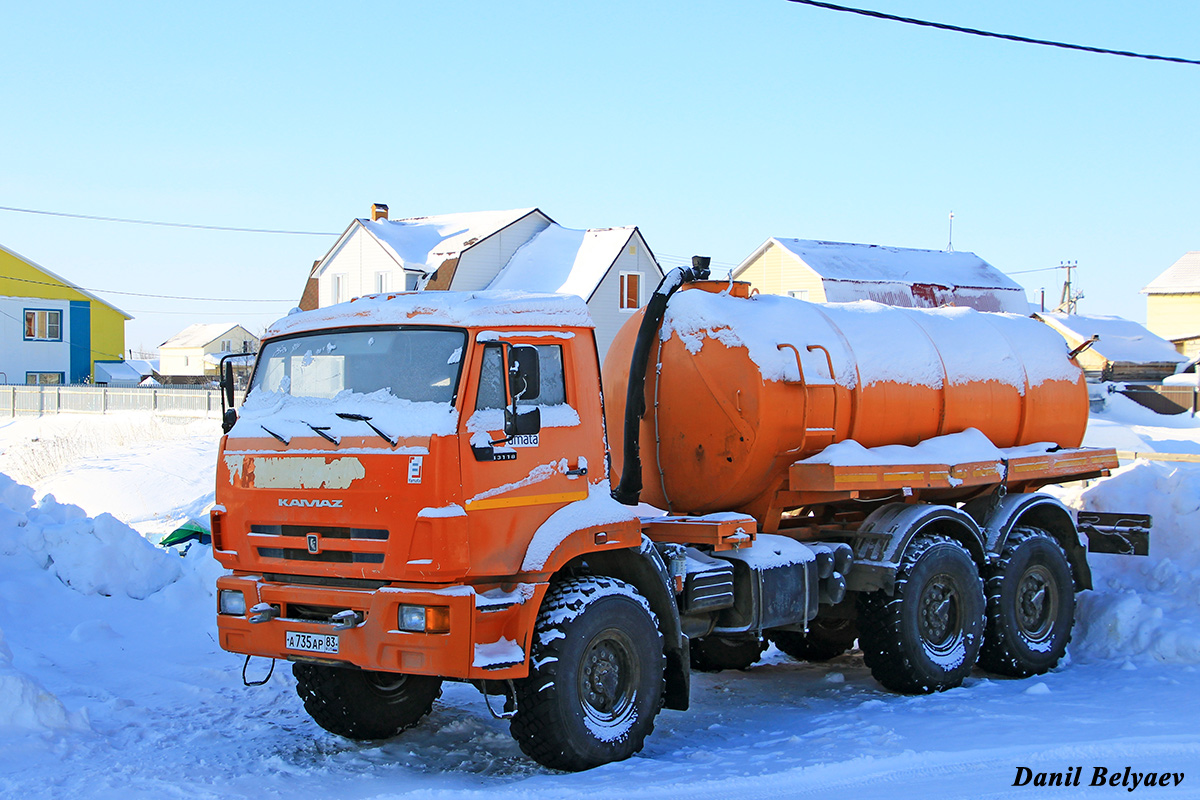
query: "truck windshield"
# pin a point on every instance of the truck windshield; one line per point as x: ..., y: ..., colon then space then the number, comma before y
x: 414, y: 364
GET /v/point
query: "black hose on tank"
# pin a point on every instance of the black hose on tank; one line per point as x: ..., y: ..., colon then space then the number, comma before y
x: 629, y: 489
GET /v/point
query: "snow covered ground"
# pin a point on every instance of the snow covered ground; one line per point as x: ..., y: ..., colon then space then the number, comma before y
x: 105, y: 695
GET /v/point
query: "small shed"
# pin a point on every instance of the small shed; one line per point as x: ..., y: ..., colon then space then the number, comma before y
x: 1125, y: 351
x: 841, y: 272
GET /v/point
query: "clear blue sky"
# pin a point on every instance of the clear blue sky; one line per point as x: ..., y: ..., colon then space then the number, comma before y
x: 711, y: 125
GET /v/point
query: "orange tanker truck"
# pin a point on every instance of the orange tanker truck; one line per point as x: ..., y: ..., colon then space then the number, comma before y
x: 436, y: 486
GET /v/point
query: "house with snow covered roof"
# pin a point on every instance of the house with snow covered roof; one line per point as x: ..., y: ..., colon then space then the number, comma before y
x: 52, y: 331
x: 194, y: 354
x: 1124, y: 351
x: 839, y: 272
x: 1173, y: 304
x: 612, y: 269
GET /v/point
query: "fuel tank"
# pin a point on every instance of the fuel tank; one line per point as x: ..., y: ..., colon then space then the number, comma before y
x: 739, y: 387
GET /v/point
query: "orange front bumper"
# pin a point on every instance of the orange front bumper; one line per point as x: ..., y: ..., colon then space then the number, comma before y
x: 489, y: 626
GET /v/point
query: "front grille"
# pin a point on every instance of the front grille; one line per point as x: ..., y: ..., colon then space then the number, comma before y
x: 325, y: 556
x: 322, y: 580
x: 310, y: 613
x: 368, y: 534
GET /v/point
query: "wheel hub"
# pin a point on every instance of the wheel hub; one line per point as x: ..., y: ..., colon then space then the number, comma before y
x: 607, y: 679
x: 1037, y: 603
x: 938, y: 618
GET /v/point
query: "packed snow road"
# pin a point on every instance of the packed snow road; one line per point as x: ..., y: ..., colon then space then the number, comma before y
x: 103, y: 695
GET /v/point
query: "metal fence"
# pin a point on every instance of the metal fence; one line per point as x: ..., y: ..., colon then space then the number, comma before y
x: 179, y: 401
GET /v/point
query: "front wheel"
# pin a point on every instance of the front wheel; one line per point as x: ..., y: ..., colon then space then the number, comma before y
x: 1030, y: 606
x: 595, y: 679
x: 926, y: 636
x: 361, y: 704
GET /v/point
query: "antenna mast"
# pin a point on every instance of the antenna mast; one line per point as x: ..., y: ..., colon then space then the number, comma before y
x: 950, y: 243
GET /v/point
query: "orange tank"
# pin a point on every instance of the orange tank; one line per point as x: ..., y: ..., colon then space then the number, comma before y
x: 739, y: 387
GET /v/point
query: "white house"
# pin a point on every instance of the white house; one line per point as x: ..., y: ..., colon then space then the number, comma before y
x: 839, y: 272
x: 612, y: 269
x: 196, y: 351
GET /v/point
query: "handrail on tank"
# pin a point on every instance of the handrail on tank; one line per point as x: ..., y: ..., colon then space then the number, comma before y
x: 832, y: 378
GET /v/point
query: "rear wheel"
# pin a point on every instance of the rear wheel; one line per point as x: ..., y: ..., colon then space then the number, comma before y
x: 714, y: 653
x: 595, y: 676
x: 826, y: 639
x: 926, y: 636
x: 361, y: 704
x: 1030, y: 606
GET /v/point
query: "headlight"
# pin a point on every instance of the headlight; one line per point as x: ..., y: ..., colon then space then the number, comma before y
x: 412, y: 618
x: 420, y: 619
x: 231, y: 601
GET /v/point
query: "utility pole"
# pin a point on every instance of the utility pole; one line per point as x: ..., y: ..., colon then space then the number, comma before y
x: 1068, y: 304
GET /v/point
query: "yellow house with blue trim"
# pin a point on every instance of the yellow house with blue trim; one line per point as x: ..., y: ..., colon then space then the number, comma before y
x: 52, y: 331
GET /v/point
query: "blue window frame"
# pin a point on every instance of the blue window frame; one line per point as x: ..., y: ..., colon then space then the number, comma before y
x: 43, y: 325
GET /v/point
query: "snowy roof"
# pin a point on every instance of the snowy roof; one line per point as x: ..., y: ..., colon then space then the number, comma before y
x: 63, y: 281
x: 1182, y: 277
x: 564, y: 260
x: 841, y: 261
x: 199, y: 334
x: 425, y: 242
x: 1120, y: 339
x: 474, y: 309
x: 117, y: 372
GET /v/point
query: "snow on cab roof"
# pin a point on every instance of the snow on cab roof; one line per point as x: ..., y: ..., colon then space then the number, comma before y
x: 467, y: 309
x: 1182, y: 277
x: 1120, y: 339
x: 421, y: 241
x: 564, y: 260
x: 842, y: 261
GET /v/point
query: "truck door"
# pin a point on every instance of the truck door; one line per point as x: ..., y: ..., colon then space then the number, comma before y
x: 510, y: 486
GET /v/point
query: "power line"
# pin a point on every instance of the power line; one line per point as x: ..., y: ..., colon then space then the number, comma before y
x: 1027, y: 271
x: 143, y: 294
x: 976, y: 32
x: 164, y: 224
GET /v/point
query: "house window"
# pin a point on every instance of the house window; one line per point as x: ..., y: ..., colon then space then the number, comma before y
x: 381, y: 282
x: 631, y: 291
x: 43, y: 325
x: 44, y: 378
x: 338, y: 286
x: 246, y: 346
x: 799, y: 294
x: 227, y: 345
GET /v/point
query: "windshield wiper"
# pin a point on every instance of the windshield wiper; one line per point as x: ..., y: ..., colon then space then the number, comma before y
x: 366, y: 419
x: 273, y: 433
x: 321, y: 432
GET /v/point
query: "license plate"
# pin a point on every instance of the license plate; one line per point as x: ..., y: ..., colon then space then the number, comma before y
x: 312, y: 642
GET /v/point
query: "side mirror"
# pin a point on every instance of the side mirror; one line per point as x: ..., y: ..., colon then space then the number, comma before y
x: 525, y: 422
x: 524, y: 372
x: 227, y: 384
x: 229, y: 420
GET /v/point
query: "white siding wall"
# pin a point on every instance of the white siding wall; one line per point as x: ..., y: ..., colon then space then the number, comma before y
x: 358, y: 260
x: 479, y: 264
x: 605, y: 303
x: 18, y: 356
x: 181, y: 361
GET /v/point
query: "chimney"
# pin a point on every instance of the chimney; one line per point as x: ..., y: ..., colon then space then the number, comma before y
x: 378, y: 212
